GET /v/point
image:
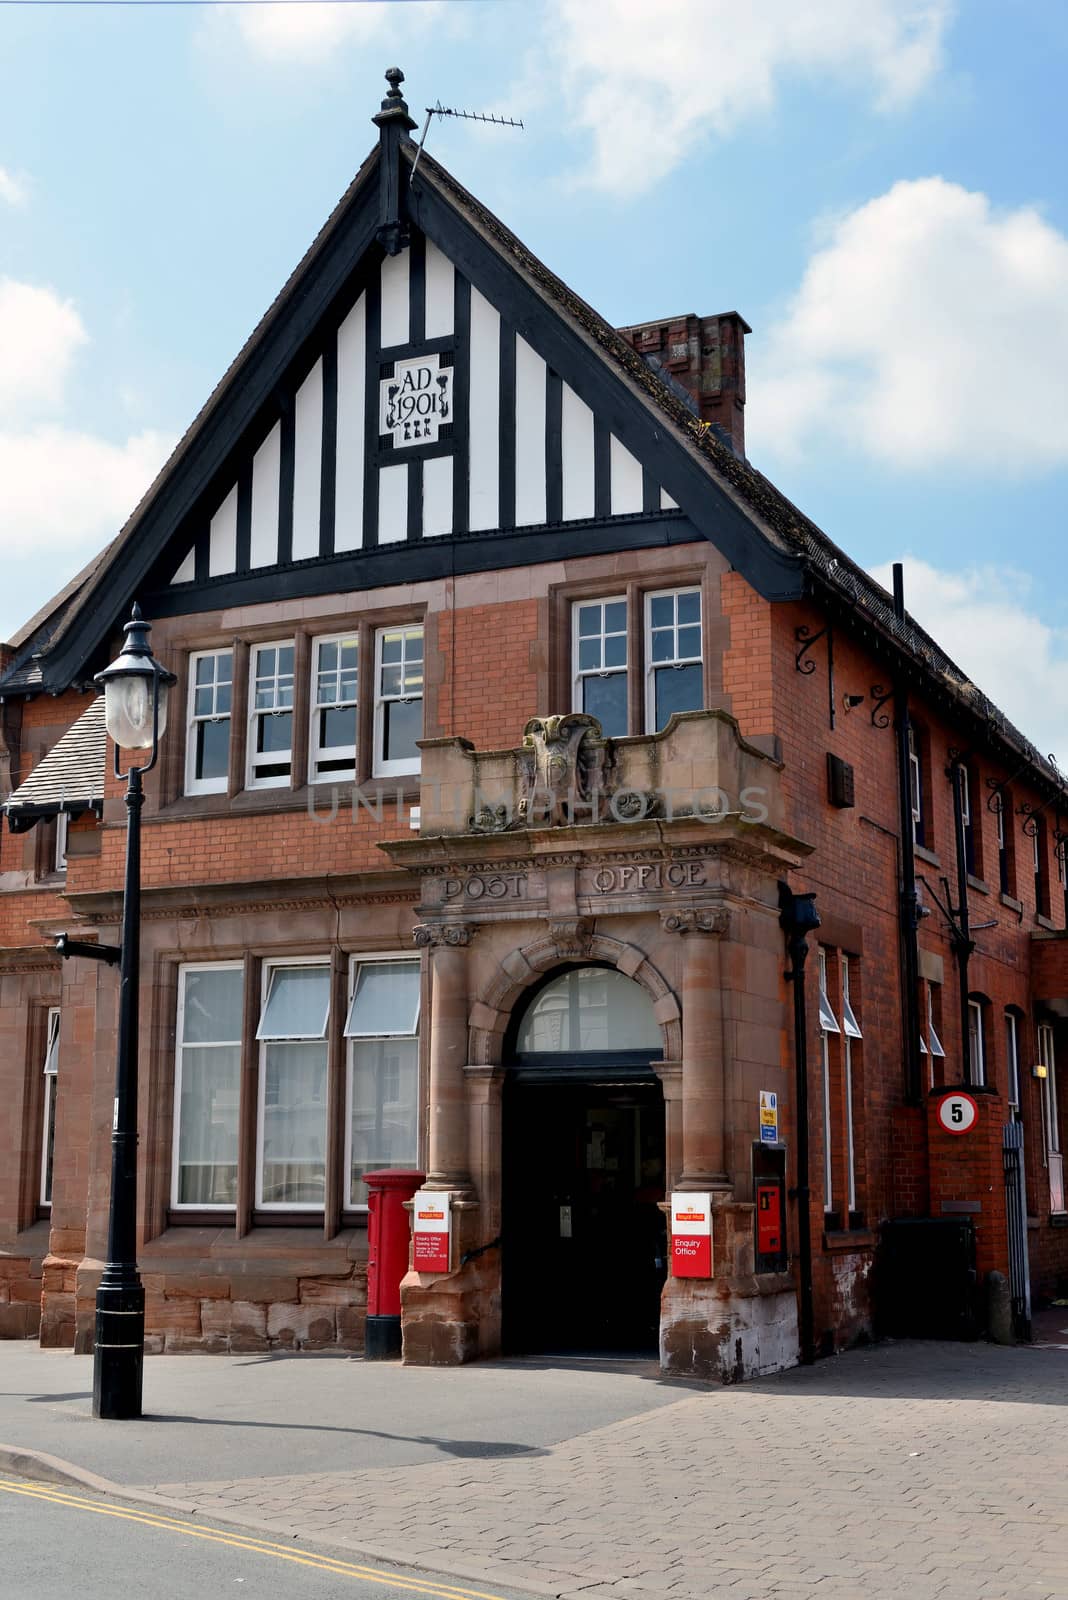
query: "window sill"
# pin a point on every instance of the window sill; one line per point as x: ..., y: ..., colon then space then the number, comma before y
x: 314, y: 798
x: 1058, y: 1219
x: 978, y: 884
x: 839, y: 1243
x: 1013, y: 905
x: 1045, y: 922
x: 927, y: 855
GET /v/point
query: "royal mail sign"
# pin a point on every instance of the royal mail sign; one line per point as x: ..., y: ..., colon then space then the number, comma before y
x: 691, y: 1235
x: 430, y: 1231
x: 416, y: 403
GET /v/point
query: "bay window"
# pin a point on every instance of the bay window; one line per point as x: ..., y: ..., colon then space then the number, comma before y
x: 207, y: 1084
x: 382, y: 1033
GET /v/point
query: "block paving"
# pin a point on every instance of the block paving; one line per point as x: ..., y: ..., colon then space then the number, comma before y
x: 936, y: 1472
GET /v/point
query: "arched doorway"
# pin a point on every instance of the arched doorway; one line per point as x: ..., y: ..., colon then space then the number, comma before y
x: 583, y: 1167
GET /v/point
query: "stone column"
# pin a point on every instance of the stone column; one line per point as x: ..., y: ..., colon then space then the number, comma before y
x: 447, y: 1156
x: 704, y: 1068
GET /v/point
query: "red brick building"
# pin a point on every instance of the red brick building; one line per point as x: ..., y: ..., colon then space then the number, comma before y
x: 514, y: 708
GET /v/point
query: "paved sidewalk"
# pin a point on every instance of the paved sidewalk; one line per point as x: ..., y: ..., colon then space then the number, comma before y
x: 937, y: 1472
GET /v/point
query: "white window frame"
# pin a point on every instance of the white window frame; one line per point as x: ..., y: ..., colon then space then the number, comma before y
x: 977, y: 1057
x: 828, y: 1025
x: 269, y: 967
x: 254, y: 760
x: 915, y: 785
x: 51, y: 1077
x: 964, y: 790
x: 193, y: 784
x: 580, y: 674
x: 651, y: 667
x: 179, y: 1041
x: 400, y: 766
x: 316, y: 752
x: 850, y: 1031
x: 1051, y: 1131
x: 1060, y: 850
x: 355, y: 963
x: 1012, y: 1061
x: 932, y: 1045
x: 60, y: 843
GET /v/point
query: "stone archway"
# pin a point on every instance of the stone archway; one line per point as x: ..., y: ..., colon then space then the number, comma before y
x: 566, y: 942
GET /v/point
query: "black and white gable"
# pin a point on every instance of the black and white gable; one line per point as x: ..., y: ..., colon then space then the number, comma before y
x: 424, y: 398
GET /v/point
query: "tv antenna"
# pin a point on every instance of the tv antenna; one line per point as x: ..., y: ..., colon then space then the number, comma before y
x: 466, y: 116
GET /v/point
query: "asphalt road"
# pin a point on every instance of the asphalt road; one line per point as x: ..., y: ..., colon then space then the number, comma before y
x: 59, y: 1542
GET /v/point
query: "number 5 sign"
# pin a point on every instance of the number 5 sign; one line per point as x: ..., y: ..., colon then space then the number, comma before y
x: 957, y: 1112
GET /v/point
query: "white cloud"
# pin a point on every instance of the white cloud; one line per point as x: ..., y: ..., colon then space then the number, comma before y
x: 650, y: 80
x: 308, y: 31
x: 984, y: 618
x: 65, y: 491
x: 12, y: 189
x: 39, y: 336
x: 930, y: 329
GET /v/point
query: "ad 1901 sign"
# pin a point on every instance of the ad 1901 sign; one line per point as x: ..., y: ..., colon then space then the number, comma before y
x: 416, y: 402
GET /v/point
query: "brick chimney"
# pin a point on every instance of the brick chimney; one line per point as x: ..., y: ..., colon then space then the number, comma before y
x: 706, y: 355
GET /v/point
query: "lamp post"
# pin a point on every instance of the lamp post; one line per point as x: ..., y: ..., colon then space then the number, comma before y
x: 135, y: 715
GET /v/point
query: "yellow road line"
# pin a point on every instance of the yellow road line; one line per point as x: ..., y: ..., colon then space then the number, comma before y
x: 280, y: 1552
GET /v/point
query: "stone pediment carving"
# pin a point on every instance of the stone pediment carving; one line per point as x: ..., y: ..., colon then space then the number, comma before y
x: 565, y: 761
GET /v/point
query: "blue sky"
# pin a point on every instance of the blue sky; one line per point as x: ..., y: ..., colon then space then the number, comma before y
x: 878, y: 187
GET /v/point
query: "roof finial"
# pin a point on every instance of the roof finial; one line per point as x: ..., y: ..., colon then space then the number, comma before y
x: 394, y: 125
x: 394, y: 106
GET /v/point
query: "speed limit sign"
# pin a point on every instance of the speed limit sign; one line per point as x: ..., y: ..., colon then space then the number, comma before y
x: 957, y: 1112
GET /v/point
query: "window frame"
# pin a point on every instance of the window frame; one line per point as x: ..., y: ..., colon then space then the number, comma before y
x: 828, y: 1025
x: 976, y: 1057
x: 59, y: 842
x: 316, y: 752
x: 1012, y: 1062
x: 254, y: 758
x: 183, y: 1206
x: 580, y: 674
x: 46, y: 1166
x: 193, y: 785
x: 850, y: 1030
x: 651, y: 667
x: 1053, y: 1158
x: 356, y: 961
x: 397, y: 767
x: 268, y: 967
x: 916, y: 785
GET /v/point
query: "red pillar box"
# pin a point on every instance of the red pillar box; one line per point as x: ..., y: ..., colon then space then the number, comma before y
x: 691, y: 1235
x: 387, y: 1258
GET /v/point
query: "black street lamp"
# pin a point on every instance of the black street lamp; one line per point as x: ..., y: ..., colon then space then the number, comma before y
x: 135, y: 715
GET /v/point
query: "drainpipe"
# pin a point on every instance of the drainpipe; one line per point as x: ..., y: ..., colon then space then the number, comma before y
x: 909, y: 910
x: 799, y: 917
x: 960, y: 932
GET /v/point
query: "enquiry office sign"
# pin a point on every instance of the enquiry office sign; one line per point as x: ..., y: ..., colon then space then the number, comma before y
x: 691, y: 1235
x: 431, y: 1220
